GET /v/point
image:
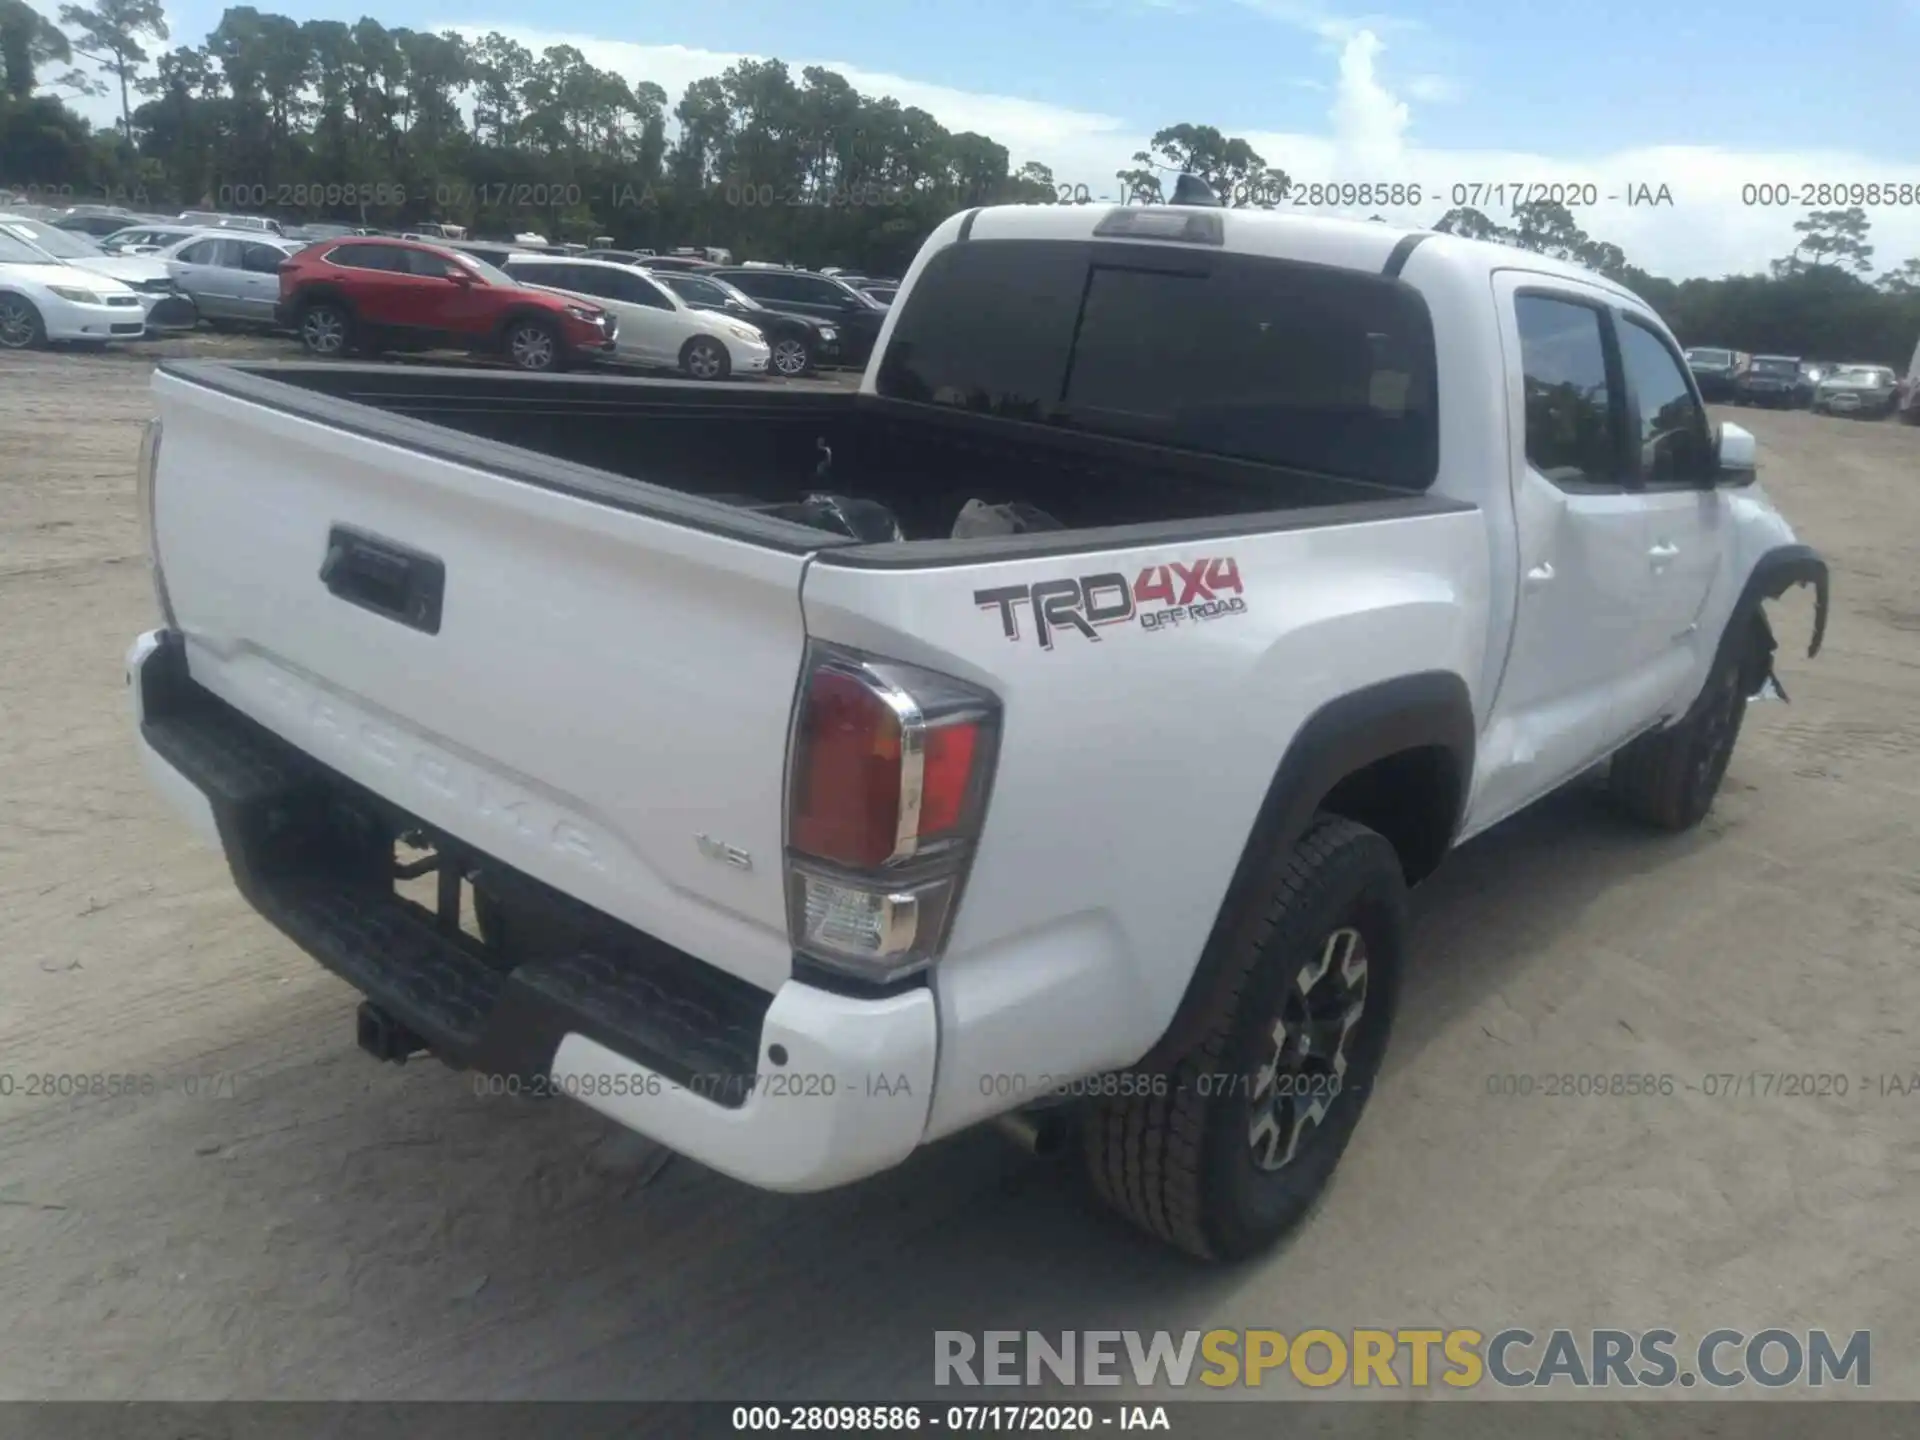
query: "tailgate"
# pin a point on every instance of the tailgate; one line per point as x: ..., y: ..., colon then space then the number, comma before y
x: 603, y: 703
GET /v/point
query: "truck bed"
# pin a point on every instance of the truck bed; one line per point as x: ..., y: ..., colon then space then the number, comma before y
x: 625, y: 441
x: 516, y: 622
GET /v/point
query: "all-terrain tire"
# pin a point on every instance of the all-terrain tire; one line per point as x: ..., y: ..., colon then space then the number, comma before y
x: 1180, y: 1161
x: 1668, y: 778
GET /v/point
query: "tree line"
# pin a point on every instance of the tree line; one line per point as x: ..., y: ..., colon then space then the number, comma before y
x: 392, y: 127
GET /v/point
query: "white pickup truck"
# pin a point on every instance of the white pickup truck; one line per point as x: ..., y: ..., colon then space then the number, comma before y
x: 1047, y: 733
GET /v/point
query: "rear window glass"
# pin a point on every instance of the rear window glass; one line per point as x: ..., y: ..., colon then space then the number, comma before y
x: 1297, y: 365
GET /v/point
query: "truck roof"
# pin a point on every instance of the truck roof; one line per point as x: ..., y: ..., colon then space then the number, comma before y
x: 1291, y: 235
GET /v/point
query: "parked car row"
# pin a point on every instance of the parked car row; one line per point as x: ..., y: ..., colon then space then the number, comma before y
x: 57, y: 285
x: 1785, y: 381
x: 539, y: 309
x: 808, y: 319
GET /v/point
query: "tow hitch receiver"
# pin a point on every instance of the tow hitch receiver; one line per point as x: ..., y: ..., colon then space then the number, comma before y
x: 384, y: 1037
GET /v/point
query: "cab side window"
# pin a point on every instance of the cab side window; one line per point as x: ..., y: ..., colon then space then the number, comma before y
x: 1673, y: 440
x: 1573, y: 410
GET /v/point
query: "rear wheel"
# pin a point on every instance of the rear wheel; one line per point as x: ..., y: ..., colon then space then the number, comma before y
x: 326, y: 329
x: 1243, y: 1137
x: 21, y: 327
x: 534, y: 345
x: 704, y: 358
x: 792, y: 356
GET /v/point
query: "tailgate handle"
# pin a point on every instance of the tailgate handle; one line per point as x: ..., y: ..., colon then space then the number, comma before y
x: 391, y: 580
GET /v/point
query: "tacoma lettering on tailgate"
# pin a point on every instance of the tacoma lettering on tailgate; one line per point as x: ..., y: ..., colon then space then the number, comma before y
x: 495, y: 805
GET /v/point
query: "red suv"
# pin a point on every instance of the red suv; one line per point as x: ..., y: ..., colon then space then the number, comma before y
x: 370, y: 294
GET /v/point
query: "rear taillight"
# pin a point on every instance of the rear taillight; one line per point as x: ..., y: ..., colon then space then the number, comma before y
x: 149, y: 499
x: 888, y: 782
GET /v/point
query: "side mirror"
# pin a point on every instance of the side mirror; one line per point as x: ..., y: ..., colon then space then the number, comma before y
x: 1736, y: 456
x: 459, y: 274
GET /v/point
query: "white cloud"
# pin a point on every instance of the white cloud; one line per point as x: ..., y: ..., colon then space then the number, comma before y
x: 1369, y: 120
x: 1330, y: 25
x: 1434, y: 89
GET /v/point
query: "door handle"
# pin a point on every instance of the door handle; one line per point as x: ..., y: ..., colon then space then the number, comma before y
x: 1540, y: 575
x: 1659, y: 555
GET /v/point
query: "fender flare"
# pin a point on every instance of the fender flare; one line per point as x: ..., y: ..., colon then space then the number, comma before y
x: 1426, y: 710
x: 1777, y: 571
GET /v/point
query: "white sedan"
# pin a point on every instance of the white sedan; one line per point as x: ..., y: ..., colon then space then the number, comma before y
x: 165, y: 308
x: 657, y: 327
x: 43, y: 299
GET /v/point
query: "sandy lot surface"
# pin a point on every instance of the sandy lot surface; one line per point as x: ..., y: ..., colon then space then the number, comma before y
x: 285, y: 1218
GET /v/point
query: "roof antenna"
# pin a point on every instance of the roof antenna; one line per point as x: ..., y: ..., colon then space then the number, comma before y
x: 1192, y: 190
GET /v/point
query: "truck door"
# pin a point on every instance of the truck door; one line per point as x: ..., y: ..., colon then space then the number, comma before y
x: 1581, y: 532
x: 1687, y: 521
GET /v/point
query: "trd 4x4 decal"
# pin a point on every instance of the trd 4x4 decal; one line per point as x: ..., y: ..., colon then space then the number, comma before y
x: 1161, y: 597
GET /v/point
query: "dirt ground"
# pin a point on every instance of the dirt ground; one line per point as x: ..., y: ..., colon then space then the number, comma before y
x: 285, y: 1218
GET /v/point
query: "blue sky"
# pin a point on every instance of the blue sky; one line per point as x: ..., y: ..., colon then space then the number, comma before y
x: 1702, y: 96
